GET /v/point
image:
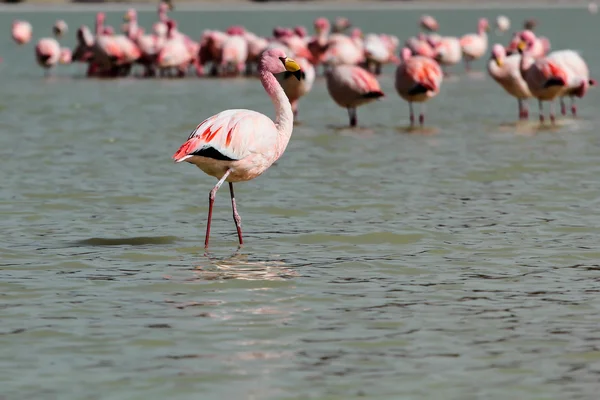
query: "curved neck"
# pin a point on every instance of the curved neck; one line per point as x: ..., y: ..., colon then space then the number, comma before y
x: 526, y: 62
x: 132, y: 29
x: 99, y: 27
x: 284, y: 119
x: 497, y: 71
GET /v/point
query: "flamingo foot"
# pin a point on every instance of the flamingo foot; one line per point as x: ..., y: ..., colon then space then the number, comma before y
x: 552, y: 119
x: 412, y: 120
x: 563, y: 108
x: 541, y: 118
x: 574, y: 110
x: 421, y: 119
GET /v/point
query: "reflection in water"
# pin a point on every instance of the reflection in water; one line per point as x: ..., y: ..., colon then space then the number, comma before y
x: 418, y: 130
x: 132, y: 241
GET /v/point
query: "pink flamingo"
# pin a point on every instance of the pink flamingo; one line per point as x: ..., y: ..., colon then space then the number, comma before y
x: 47, y: 53
x: 296, y: 88
x: 318, y: 44
x: 418, y: 79
x: 239, y: 145
x: 506, y: 71
x: 474, y: 45
x: 345, y: 50
x: 21, y: 31
x: 351, y: 86
x: 174, y: 53
x: 578, y: 81
x: 540, y: 47
x: 428, y: 23
x: 60, y: 28
x: 65, y: 56
x: 234, y: 50
x: 546, y: 79
x: 448, y: 51
x: 502, y: 24
x: 420, y: 46
x: 148, y: 45
x: 378, y: 51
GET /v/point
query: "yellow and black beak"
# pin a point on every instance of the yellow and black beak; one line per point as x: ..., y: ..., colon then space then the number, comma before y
x: 292, y: 67
x: 522, y: 46
x: 499, y: 62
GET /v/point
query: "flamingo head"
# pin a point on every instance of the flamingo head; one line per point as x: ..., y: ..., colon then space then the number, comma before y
x: 100, y: 17
x: 130, y: 15
x: 84, y: 36
x: 527, y: 40
x: 276, y: 61
x: 341, y: 24
x: 59, y: 28
x: 498, y: 54
x: 433, y: 39
x: 236, y: 30
x: 357, y: 34
x: 405, y: 54
x: 164, y: 6
x: 321, y: 25
x: 429, y: 23
x: 300, y: 31
x: 483, y: 25
x: 530, y: 24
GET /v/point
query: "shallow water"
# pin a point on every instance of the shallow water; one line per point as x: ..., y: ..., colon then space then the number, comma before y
x: 461, y: 264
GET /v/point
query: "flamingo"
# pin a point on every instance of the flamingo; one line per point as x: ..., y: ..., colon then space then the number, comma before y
x: 341, y: 24
x: 318, y: 44
x: 418, y: 79
x: 428, y: 23
x: 174, y: 53
x: 234, y: 51
x: 448, y: 51
x: 474, y: 45
x: 296, y: 88
x: 47, y: 53
x: 21, y: 32
x: 351, y: 86
x: 345, y: 50
x: 502, y: 24
x: 505, y: 70
x: 60, y: 28
x: 65, y: 56
x: 239, y: 145
x: 545, y: 78
x: 377, y: 51
x: 578, y: 81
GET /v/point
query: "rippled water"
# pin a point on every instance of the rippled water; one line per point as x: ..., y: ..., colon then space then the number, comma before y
x: 462, y: 264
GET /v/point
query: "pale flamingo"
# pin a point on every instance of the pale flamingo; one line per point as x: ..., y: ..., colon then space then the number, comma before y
x: 540, y: 47
x: 296, y: 88
x: 239, y: 145
x: 256, y: 45
x: 447, y: 51
x: 65, y: 56
x: 344, y: 50
x: 377, y: 52
x: 578, y: 73
x: 318, y: 44
x: 21, y: 31
x: 234, y: 53
x: 149, y: 45
x: 174, y: 53
x: 502, y: 24
x: 546, y: 79
x: 351, y: 86
x: 506, y: 71
x: 47, y: 53
x: 418, y: 79
x: 60, y: 28
x: 428, y: 23
x: 474, y: 45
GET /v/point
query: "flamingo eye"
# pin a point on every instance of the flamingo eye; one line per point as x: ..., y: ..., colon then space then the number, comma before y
x: 282, y: 59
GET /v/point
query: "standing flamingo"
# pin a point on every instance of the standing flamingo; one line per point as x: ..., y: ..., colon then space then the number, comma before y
x: 546, y: 79
x: 448, y: 51
x: 505, y: 70
x: 474, y: 45
x: 239, y: 145
x: 578, y: 81
x: 47, y: 53
x: 351, y: 86
x: 502, y: 24
x: 418, y: 79
x: 21, y: 31
x: 296, y: 88
x: 60, y: 28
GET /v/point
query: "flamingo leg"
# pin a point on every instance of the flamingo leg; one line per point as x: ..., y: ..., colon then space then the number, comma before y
x: 525, y: 110
x: 236, y: 217
x: 521, y: 111
x: 352, y: 115
x: 552, y: 117
x: 563, y: 107
x: 422, y: 115
x: 412, y: 114
x: 573, y: 107
x: 211, y: 202
x: 541, y: 108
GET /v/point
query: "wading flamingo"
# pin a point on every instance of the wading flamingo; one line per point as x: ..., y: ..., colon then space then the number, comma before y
x: 296, y: 88
x: 239, y: 145
x: 60, y: 28
x: 418, y: 79
x: 21, y: 31
x: 47, y: 53
x: 505, y: 70
x: 546, y: 79
x: 474, y: 45
x: 351, y: 86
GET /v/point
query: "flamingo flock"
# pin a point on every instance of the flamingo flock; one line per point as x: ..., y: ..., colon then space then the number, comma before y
x: 239, y: 145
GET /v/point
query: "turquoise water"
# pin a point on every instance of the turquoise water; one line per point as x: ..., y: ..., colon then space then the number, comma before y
x: 462, y: 264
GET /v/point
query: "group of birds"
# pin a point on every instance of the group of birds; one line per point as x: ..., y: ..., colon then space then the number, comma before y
x: 351, y: 60
x: 238, y: 145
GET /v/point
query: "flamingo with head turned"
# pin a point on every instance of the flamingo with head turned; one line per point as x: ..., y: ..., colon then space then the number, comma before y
x: 21, y: 31
x: 239, y: 145
x: 418, y: 79
x: 350, y: 87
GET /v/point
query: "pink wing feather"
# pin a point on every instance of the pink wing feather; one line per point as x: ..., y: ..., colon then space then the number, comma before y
x: 233, y: 133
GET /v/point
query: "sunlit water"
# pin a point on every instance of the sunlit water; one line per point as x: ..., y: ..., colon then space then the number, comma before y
x: 461, y: 264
